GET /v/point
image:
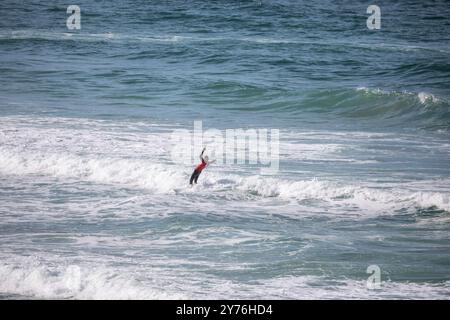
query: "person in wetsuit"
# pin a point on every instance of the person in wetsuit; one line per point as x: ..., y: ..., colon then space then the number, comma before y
x: 198, y: 169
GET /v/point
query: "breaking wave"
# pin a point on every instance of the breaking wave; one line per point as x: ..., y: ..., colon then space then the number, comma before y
x: 165, y: 178
x: 49, y: 281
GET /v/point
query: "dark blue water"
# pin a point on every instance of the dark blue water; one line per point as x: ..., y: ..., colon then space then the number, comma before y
x: 92, y: 205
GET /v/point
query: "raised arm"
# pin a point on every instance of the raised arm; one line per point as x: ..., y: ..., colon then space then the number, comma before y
x: 201, y: 154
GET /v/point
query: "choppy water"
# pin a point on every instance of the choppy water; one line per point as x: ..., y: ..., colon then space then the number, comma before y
x: 92, y: 205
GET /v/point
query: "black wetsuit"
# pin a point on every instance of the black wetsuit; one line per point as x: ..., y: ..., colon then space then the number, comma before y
x: 194, y: 176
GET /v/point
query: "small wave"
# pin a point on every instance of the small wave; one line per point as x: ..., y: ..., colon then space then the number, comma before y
x: 74, y: 282
x: 395, y: 108
x: 52, y: 281
x: 163, y: 179
x: 155, y: 177
x: 422, y: 109
x: 362, y: 197
x: 423, y: 97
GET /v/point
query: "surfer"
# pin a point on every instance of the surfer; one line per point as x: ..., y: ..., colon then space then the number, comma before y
x: 200, y: 167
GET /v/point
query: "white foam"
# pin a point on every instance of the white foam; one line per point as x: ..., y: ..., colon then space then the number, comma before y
x: 75, y: 282
x: 164, y: 178
x: 312, y: 287
x: 425, y: 97
x: 94, y: 151
x: 52, y: 281
x: 127, y: 172
x: 363, y: 197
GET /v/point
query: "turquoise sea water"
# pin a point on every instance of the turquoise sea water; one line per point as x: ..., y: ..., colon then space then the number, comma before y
x: 93, y: 206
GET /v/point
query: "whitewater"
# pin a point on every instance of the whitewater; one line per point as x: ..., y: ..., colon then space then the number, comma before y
x: 57, y: 171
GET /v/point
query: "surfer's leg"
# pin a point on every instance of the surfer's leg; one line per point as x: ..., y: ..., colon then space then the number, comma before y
x: 192, y: 177
x: 196, y: 177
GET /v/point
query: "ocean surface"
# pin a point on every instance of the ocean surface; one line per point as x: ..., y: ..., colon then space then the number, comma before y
x: 92, y: 205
